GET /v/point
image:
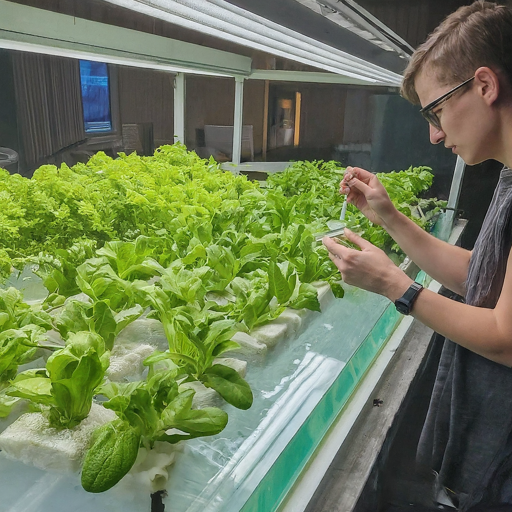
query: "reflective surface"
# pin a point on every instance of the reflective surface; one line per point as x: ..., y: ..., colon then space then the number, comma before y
x: 299, y: 387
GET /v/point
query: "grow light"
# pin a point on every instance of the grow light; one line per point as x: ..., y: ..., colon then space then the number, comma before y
x: 39, y: 31
x: 223, y: 20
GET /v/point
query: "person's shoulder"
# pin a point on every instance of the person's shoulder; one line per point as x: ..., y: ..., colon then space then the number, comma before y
x: 506, y: 173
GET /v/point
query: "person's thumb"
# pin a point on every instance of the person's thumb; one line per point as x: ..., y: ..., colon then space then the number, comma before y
x: 357, y: 240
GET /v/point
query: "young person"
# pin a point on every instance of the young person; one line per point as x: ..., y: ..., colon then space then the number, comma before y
x: 462, y: 78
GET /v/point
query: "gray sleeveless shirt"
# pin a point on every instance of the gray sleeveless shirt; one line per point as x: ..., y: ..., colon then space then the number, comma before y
x: 467, y: 436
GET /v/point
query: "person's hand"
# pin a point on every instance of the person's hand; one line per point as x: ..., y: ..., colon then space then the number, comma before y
x: 367, y: 193
x: 369, y: 268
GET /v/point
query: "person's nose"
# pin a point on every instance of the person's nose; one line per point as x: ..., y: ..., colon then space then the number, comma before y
x: 436, y: 135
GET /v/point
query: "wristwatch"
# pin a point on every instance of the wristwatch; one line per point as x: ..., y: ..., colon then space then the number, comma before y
x: 405, y: 302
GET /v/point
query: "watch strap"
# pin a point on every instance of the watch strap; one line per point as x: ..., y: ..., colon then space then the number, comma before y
x: 405, y: 302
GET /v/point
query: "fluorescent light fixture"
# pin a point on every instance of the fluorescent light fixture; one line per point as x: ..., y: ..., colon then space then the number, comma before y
x: 308, y: 76
x: 351, y: 16
x: 37, y: 30
x: 223, y: 20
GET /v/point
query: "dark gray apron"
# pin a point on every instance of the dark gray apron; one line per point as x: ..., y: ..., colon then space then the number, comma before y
x: 467, y: 436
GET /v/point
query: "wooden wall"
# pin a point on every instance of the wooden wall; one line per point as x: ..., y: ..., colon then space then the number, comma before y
x: 323, y: 111
x: 8, y: 115
x: 147, y: 96
x: 210, y: 100
x: 254, y: 98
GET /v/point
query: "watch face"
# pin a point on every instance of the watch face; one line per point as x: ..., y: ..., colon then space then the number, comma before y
x: 402, y: 307
x: 404, y: 304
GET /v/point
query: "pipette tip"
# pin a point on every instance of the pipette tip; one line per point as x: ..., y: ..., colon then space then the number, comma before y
x: 343, y: 209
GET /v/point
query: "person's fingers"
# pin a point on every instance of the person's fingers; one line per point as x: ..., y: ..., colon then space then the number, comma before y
x: 357, y: 184
x: 347, y: 176
x: 330, y: 244
x: 358, y: 174
x: 361, y: 174
x: 343, y: 183
x: 334, y: 258
x: 354, y: 196
x: 334, y: 248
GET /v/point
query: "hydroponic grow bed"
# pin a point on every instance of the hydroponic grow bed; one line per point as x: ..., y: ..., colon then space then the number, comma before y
x: 302, y: 366
x: 299, y: 387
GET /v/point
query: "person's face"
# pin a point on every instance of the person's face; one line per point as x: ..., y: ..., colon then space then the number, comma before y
x: 465, y: 120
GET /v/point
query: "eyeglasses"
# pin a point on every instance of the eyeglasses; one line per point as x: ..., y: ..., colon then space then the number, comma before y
x: 427, y: 111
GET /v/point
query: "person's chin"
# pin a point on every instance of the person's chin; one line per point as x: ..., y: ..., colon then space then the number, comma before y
x: 472, y: 154
x: 472, y: 159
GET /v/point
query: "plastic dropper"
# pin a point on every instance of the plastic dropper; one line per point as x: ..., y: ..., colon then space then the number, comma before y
x: 343, y: 210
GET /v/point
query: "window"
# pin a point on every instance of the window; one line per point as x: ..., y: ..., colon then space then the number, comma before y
x: 95, y: 84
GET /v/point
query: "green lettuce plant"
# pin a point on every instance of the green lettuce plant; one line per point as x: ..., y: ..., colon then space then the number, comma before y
x: 151, y: 411
x: 64, y: 390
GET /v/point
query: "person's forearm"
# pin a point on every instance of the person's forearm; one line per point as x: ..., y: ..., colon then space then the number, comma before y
x: 487, y: 332
x: 477, y: 329
x: 446, y: 263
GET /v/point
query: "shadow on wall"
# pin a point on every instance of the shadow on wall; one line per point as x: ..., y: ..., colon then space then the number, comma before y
x: 296, y: 153
x: 476, y: 194
x: 401, y: 139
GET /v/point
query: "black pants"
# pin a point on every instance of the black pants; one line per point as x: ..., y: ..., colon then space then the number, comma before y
x: 477, y: 508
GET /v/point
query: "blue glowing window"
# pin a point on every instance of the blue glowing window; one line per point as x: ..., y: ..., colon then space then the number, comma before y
x: 95, y: 96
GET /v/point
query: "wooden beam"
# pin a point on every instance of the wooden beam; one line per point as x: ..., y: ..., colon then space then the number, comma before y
x: 296, y: 133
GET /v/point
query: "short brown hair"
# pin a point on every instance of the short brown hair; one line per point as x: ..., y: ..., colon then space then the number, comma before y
x: 474, y: 35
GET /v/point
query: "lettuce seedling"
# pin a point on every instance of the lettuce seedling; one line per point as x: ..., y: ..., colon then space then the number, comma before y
x: 97, y: 279
x: 155, y: 410
x: 65, y: 389
x: 95, y: 317
x: 58, y: 270
x: 196, y: 337
x: 14, y: 313
x: 17, y: 347
x: 131, y: 260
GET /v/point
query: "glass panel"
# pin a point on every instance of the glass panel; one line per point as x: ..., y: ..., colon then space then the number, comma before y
x: 400, y: 138
x: 95, y: 96
x: 209, y: 115
x: 369, y: 127
x: 299, y: 387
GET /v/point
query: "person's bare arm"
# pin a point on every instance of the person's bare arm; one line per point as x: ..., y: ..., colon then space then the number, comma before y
x: 446, y: 263
x: 487, y: 332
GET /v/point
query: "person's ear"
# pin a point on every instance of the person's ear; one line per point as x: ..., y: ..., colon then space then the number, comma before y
x: 488, y: 84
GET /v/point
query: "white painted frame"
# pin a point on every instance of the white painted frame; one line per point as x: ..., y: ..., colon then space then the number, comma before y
x: 37, y: 30
x: 238, y: 120
x: 179, y: 107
